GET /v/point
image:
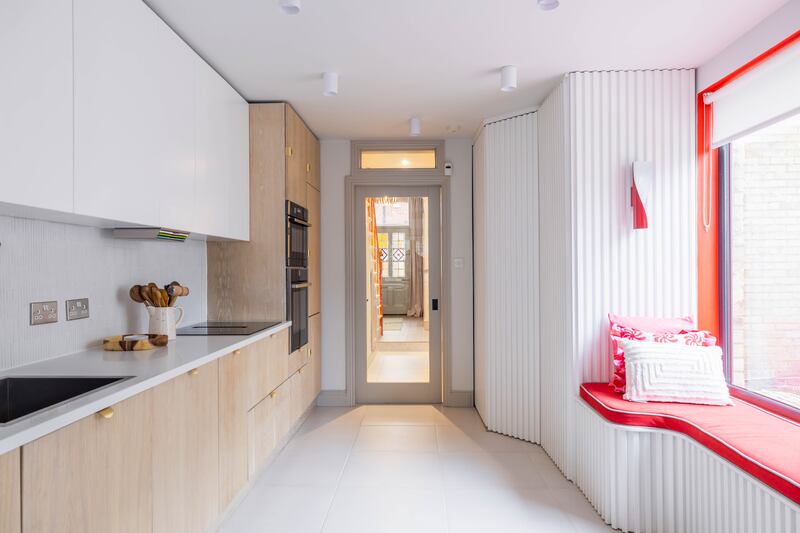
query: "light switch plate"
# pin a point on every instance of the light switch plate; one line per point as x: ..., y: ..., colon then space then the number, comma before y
x: 77, y: 309
x: 44, y: 313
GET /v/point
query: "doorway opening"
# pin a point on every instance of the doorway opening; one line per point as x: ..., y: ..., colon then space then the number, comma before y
x: 398, y: 315
x: 398, y: 334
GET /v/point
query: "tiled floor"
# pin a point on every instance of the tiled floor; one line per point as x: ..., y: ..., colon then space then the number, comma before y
x: 412, y: 330
x: 410, y: 469
x: 399, y: 367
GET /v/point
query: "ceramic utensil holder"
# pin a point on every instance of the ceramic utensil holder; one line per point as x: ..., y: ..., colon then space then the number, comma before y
x: 163, y: 320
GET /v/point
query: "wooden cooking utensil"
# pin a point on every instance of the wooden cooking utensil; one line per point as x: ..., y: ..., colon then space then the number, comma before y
x: 164, y: 297
x: 135, y: 295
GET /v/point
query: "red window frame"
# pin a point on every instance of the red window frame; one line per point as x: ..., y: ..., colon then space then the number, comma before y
x: 709, y: 312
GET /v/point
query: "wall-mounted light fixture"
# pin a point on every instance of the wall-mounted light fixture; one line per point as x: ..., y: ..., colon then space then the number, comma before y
x: 641, y: 193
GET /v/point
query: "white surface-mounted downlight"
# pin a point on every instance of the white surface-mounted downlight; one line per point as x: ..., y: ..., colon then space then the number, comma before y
x: 290, y: 7
x: 547, y: 5
x: 414, y: 127
x: 508, y: 78
x: 330, y: 82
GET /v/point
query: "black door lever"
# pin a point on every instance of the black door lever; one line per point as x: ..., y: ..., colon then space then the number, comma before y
x: 435, y: 304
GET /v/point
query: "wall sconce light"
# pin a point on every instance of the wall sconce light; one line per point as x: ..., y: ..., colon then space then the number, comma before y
x: 641, y: 192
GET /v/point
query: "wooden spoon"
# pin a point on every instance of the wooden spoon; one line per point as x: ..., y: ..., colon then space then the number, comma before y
x: 135, y: 295
x: 144, y: 290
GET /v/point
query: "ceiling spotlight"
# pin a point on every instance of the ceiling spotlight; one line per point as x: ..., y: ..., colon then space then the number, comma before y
x: 330, y: 82
x: 292, y: 7
x: 508, y: 78
x: 547, y: 5
x: 414, y: 127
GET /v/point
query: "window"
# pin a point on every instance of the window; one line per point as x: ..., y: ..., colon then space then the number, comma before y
x: 398, y: 159
x: 392, y: 212
x: 393, y: 245
x: 760, y: 248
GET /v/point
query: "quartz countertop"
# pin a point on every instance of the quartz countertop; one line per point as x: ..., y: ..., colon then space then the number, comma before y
x: 145, y: 368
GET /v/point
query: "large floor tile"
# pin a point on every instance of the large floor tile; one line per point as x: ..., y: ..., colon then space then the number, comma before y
x: 406, y: 415
x: 396, y: 439
x: 480, y: 469
x: 281, y: 509
x: 463, y: 417
x: 549, y: 472
x: 580, y: 512
x: 386, y: 510
x: 300, y: 467
x: 392, y: 469
x: 461, y: 439
x: 506, y: 510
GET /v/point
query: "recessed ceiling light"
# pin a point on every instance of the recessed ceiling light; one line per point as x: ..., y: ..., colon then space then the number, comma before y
x: 414, y: 127
x: 330, y: 82
x: 547, y: 5
x: 508, y: 78
x: 290, y: 7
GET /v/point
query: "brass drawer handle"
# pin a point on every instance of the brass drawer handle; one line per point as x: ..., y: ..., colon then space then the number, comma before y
x: 106, y: 413
x: 289, y: 151
x: 273, y: 394
x: 193, y: 372
x: 237, y: 352
x: 308, y: 168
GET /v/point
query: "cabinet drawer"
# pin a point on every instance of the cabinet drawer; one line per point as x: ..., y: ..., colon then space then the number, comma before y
x: 297, y: 359
x: 267, y: 366
x: 10, y: 487
x: 261, y: 439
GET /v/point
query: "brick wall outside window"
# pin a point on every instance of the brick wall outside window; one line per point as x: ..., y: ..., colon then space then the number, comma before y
x: 765, y: 239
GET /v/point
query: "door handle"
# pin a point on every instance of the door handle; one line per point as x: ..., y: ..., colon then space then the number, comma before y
x: 435, y: 304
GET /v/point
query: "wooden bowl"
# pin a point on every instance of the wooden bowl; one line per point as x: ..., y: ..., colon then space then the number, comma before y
x: 119, y: 343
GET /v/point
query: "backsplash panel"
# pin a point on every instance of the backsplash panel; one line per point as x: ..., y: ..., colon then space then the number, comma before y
x: 51, y: 261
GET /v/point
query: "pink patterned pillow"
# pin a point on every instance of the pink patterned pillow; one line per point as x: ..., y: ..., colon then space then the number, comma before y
x: 687, y: 337
x: 656, y: 325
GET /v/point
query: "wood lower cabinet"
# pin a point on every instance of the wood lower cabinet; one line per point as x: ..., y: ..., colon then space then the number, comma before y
x: 314, y: 377
x: 262, y: 436
x: 94, y: 475
x: 10, y: 492
x: 186, y: 452
x: 267, y: 366
x: 233, y: 426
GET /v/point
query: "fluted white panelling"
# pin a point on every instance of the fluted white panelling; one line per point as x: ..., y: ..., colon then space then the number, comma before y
x: 507, y: 277
x: 555, y: 276
x: 53, y: 261
x: 657, y: 481
x: 617, y: 118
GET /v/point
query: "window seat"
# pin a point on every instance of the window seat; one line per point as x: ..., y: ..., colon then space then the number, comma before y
x: 763, y: 444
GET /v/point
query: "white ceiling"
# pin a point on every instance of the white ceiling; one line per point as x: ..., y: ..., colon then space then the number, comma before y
x: 440, y: 59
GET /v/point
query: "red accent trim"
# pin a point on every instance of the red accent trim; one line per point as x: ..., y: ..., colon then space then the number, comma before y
x: 708, y: 311
x: 767, y: 404
x: 781, y: 483
x: 639, y: 213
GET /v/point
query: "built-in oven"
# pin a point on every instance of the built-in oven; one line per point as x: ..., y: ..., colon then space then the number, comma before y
x: 296, y: 235
x: 297, y: 283
x: 297, y: 302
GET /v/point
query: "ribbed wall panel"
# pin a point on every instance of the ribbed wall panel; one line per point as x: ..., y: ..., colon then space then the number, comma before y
x: 617, y: 118
x: 657, y: 481
x: 507, y: 277
x: 555, y: 277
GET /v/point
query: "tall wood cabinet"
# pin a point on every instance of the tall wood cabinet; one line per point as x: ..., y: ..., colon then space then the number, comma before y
x: 94, y: 475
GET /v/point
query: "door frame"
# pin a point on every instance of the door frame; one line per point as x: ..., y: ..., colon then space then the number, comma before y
x: 389, y: 179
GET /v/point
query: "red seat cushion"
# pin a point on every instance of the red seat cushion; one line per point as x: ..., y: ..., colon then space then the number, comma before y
x: 761, y: 443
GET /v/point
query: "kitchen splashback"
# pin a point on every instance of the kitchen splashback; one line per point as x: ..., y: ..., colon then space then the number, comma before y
x: 50, y: 261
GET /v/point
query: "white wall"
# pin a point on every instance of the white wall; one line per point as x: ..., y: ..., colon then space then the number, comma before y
x: 506, y: 211
x: 42, y: 261
x: 335, y: 166
x: 765, y: 35
x: 613, y: 119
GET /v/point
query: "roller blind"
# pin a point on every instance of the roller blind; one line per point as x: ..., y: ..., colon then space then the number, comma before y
x: 760, y: 97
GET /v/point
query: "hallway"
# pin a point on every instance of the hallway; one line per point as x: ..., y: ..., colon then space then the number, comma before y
x: 409, y: 469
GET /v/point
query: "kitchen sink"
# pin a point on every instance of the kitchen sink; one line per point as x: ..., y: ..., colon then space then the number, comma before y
x: 23, y: 396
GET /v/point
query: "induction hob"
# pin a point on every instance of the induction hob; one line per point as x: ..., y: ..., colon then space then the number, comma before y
x: 225, y: 328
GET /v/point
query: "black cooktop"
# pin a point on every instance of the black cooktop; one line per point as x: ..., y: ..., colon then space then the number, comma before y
x: 225, y: 328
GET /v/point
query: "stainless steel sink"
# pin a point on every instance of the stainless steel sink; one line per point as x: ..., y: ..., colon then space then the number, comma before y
x: 23, y: 396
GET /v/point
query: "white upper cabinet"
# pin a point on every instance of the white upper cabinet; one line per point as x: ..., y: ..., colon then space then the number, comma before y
x: 222, y: 148
x: 134, y: 116
x: 36, y: 103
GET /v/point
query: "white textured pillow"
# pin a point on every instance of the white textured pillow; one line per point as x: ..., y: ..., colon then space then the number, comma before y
x: 659, y: 372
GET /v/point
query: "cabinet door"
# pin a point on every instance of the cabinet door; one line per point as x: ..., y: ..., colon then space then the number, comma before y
x: 222, y: 141
x: 261, y: 434
x: 296, y: 392
x: 94, y: 475
x: 282, y: 398
x: 36, y: 103
x: 233, y: 422
x: 134, y: 116
x: 313, y: 199
x: 267, y: 366
x: 312, y: 154
x: 315, y: 353
x: 186, y: 452
x: 296, y: 157
x: 10, y: 487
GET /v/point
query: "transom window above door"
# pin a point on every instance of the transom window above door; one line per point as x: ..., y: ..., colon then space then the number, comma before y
x: 387, y: 158
x: 398, y: 159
